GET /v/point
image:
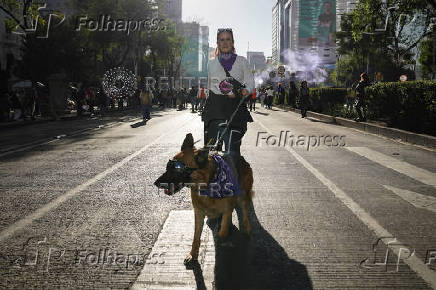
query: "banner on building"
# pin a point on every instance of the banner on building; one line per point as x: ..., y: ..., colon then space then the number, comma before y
x: 317, y: 23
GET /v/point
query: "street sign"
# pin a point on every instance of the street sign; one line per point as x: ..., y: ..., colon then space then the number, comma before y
x: 403, y: 78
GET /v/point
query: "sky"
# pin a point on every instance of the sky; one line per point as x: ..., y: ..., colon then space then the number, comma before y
x: 251, y: 23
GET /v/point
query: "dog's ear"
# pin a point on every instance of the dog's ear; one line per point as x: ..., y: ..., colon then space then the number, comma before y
x: 188, y: 143
x: 202, y: 158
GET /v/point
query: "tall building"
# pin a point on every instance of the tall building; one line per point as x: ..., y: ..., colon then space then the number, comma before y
x: 195, y: 51
x: 308, y: 26
x: 256, y: 60
x: 204, y: 49
x: 173, y: 10
x: 276, y: 32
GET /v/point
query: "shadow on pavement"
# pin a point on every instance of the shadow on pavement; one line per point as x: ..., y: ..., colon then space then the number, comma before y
x: 316, y: 120
x: 258, y: 262
x: 260, y: 113
x: 138, y: 124
x: 198, y: 274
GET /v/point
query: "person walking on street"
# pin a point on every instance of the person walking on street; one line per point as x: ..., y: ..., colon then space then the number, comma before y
x: 281, y: 95
x: 201, y: 96
x: 269, y: 97
x: 193, y: 99
x: 304, y: 99
x: 262, y: 97
x: 360, y: 96
x: 253, y: 100
x: 146, y: 101
x: 16, y: 106
x: 226, y: 105
x: 292, y: 94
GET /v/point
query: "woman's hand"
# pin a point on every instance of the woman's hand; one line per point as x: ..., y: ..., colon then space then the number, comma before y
x: 244, y: 93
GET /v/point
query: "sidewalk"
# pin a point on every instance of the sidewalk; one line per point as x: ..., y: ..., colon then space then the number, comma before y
x: 373, y: 128
x: 64, y: 117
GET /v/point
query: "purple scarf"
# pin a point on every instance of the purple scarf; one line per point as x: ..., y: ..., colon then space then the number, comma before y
x: 224, y: 183
x: 227, y: 60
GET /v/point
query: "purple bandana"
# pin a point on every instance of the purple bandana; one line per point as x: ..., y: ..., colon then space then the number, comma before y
x: 224, y: 183
x: 227, y: 60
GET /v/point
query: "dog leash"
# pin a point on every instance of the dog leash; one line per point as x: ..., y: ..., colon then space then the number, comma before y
x: 240, y: 86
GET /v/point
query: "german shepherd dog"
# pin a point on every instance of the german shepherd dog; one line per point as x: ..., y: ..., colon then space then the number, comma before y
x: 192, y: 167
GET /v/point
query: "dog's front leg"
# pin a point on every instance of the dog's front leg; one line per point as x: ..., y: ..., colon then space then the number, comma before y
x: 225, y: 225
x: 199, y: 222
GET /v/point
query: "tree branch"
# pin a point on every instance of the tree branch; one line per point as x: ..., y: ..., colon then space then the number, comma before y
x: 12, y: 16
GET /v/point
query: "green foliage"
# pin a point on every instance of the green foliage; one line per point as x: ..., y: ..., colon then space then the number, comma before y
x: 85, y: 55
x: 409, y: 105
x: 326, y: 100
x: 390, y: 51
x: 426, y: 58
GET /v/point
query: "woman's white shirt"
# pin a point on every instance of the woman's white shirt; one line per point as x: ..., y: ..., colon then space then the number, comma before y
x: 240, y: 70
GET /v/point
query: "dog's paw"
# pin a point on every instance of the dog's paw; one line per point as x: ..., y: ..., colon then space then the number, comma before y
x: 189, y: 259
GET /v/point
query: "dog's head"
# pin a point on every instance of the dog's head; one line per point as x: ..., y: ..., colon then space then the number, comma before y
x: 187, y: 167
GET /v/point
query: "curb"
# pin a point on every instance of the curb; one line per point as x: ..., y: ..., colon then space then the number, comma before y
x: 392, y: 133
x: 66, y: 117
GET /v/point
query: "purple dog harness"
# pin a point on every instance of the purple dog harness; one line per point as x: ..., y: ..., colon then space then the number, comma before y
x: 224, y: 183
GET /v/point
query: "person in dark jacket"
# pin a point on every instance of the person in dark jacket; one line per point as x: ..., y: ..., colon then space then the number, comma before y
x: 360, y: 96
x: 304, y: 99
x: 193, y: 98
x: 292, y: 94
x: 16, y: 106
x: 281, y: 94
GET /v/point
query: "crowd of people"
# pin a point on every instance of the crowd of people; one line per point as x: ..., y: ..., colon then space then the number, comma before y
x: 19, y: 105
x: 26, y: 104
x: 175, y: 98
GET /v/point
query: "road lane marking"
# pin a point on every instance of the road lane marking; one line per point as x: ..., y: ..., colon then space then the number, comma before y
x: 164, y: 268
x: 416, y: 199
x: 22, y: 223
x: 413, y: 262
x: 402, y: 167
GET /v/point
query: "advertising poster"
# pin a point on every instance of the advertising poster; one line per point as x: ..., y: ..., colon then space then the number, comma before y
x: 317, y: 23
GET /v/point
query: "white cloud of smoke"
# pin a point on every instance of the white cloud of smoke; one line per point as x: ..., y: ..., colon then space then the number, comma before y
x: 306, y: 65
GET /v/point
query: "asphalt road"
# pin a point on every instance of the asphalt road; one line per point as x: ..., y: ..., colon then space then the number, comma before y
x: 323, y: 213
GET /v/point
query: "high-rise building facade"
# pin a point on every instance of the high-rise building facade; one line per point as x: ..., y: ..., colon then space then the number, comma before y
x: 173, y: 10
x: 307, y: 26
x: 276, y: 33
x: 195, y: 51
x: 256, y: 60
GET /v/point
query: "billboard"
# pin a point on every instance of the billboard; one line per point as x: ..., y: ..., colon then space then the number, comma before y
x: 317, y: 23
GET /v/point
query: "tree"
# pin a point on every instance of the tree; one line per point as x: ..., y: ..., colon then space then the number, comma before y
x: 426, y: 58
x: 384, y: 33
x: 19, y: 13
